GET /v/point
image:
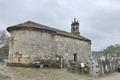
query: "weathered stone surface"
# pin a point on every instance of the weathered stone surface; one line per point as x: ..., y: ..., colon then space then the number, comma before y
x: 31, y: 44
x: 27, y: 44
x: 68, y: 46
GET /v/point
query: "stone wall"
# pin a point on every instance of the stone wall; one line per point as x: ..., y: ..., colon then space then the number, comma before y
x: 68, y: 47
x: 30, y: 44
x: 27, y: 45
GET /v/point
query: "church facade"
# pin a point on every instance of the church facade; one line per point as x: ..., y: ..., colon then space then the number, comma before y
x: 30, y: 41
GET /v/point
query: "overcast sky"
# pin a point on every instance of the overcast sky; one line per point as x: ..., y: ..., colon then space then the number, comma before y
x: 99, y: 19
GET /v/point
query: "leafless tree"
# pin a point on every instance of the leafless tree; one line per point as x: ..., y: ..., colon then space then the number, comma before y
x: 3, y: 38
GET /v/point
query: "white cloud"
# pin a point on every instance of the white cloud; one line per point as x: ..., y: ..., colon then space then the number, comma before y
x: 99, y: 19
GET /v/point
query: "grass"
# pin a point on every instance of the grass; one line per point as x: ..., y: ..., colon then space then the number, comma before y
x: 45, y: 74
x: 25, y: 73
x: 30, y: 73
x: 3, y: 53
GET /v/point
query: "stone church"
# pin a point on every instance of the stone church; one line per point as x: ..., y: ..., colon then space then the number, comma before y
x: 30, y: 40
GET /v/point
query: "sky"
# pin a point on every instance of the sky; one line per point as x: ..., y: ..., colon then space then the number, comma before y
x: 99, y: 19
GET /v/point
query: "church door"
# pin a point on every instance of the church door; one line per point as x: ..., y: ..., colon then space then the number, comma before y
x: 75, y: 57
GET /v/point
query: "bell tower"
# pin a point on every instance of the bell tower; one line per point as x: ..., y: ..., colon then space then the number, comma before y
x: 75, y: 27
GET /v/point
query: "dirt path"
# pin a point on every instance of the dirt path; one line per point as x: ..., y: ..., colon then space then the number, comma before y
x: 113, y: 76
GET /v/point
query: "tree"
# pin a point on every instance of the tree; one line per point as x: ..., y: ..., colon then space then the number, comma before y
x: 3, y: 38
x: 3, y: 43
x: 112, y: 50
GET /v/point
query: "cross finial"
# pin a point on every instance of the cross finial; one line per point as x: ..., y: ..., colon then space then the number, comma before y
x: 74, y: 19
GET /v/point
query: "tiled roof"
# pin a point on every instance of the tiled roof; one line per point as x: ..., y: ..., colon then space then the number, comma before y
x: 31, y: 24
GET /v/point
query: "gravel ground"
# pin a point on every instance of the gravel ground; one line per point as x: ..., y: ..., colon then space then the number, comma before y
x: 113, y: 76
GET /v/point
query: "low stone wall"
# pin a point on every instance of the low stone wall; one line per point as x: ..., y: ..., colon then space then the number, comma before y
x: 49, y: 63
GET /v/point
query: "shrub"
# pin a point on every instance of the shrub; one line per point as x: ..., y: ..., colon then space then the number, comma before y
x: 76, y: 67
x: 21, y: 65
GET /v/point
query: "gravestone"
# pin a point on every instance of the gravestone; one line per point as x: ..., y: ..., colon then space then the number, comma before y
x: 95, y: 69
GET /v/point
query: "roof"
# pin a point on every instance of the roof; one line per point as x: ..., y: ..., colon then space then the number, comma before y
x: 34, y: 25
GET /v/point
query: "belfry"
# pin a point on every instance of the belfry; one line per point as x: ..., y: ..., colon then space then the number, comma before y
x: 75, y: 27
